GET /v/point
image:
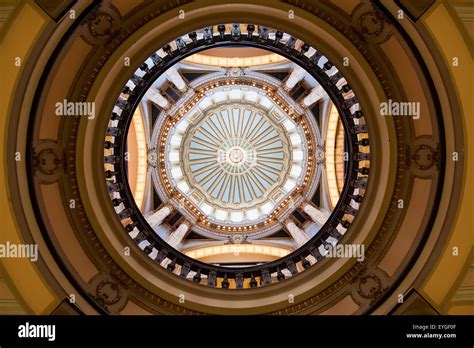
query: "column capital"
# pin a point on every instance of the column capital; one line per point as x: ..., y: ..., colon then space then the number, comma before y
x: 288, y: 220
x: 187, y: 223
x: 308, y: 205
x: 299, y: 235
x: 169, y: 206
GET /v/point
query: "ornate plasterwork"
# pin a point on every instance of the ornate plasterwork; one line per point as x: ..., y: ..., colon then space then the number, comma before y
x: 109, y: 292
x: 48, y: 161
x: 423, y: 156
x: 179, y: 176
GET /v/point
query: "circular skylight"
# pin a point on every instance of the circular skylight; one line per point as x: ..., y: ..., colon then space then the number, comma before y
x: 236, y: 155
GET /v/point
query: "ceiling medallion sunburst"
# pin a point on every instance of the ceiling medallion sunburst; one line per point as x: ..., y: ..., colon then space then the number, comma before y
x: 237, y: 160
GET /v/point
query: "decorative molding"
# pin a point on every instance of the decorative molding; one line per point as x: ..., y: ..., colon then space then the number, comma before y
x: 109, y: 292
x: 369, y: 285
x: 423, y: 156
x: 370, y: 24
x: 48, y: 161
x: 102, y: 25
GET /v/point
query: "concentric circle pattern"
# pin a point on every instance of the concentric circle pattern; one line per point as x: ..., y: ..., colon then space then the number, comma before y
x: 236, y: 160
x: 240, y: 160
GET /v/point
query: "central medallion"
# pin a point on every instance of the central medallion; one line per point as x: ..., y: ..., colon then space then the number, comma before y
x: 236, y: 156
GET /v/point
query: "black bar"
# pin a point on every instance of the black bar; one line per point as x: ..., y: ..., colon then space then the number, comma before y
x: 290, y: 331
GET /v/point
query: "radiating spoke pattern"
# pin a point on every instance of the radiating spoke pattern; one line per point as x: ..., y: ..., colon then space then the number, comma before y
x: 236, y: 155
x: 235, y: 160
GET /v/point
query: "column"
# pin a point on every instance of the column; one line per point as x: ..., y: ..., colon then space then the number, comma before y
x: 316, y: 94
x: 156, y: 97
x: 298, y: 234
x: 158, y: 216
x: 173, y: 76
x: 316, y: 215
x: 297, y: 74
x: 178, y: 235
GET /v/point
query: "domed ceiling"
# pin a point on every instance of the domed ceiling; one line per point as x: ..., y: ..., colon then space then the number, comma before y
x: 226, y: 165
x: 244, y: 163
